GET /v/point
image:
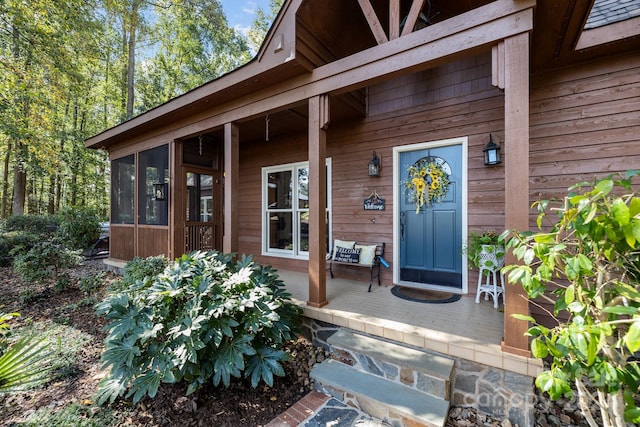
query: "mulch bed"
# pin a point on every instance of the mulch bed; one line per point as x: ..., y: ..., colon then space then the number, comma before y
x: 238, y: 405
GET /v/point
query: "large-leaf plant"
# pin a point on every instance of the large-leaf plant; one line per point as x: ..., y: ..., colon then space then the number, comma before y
x: 23, y: 363
x: 207, y: 317
x: 588, y: 266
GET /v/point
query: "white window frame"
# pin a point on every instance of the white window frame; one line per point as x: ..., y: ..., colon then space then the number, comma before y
x: 296, y: 252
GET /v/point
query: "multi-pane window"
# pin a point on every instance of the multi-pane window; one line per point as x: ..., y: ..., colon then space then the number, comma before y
x: 286, y: 209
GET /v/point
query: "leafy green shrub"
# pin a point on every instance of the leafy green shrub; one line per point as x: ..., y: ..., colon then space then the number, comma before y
x: 589, y: 258
x: 45, y: 260
x: 138, y: 269
x: 23, y: 363
x: 89, y: 284
x: 13, y: 243
x: 79, y: 227
x: 205, y: 318
x: 34, y: 224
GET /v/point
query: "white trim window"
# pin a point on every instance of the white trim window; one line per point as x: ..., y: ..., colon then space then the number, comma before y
x: 285, y: 207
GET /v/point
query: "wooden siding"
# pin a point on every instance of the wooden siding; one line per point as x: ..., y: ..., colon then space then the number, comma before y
x: 451, y: 101
x: 122, y: 242
x: 585, y: 123
x: 153, y: 241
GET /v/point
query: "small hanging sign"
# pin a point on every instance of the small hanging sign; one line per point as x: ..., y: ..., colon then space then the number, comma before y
x: 374, y: 202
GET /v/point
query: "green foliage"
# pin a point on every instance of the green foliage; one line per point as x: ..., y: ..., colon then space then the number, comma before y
x: 32, y: 224
x: 79, y: 227
x: 205, y: 318
x: 89, y: 284
x: 587, y: 266
x: 13, y: 243
x: 64, y: 342
x: 24, y: 362
x: 74, y: 415
x: 476, y: 241
x: 262, y: 22
x: 139, y: 269
x: 45, y: 260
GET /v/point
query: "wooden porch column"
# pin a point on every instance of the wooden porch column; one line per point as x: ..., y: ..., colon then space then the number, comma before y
x: 318, y: 122
x: 516, y: 148
x: 231, y: 178
x: 176, y: 207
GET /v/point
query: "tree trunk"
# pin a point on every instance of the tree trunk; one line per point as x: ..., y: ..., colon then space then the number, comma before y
x: 584, y: 399
x: 4, y: 209
x: 51, y: 206
x: 19, y: 189
x: 131, y: 65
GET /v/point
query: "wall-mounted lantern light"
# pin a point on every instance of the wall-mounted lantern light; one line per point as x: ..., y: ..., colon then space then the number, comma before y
x: 374, y: 165
x: 491, y: 153
x: 159, y: 191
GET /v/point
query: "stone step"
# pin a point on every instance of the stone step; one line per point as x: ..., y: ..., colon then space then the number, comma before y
x: 427, y: 372
x: 386, y: 400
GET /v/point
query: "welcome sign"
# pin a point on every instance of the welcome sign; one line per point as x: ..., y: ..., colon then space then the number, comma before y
x: 374, y: 203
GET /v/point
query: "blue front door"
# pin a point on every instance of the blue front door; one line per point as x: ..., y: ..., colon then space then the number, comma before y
x: 431, y: 237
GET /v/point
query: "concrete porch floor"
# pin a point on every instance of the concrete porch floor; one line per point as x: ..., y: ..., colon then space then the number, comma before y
x: 461, y: 329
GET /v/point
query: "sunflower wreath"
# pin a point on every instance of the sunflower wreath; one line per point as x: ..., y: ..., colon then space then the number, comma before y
x: 427, y: 183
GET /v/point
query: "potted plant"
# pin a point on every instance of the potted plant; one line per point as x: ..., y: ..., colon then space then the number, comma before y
x: 485, y: 250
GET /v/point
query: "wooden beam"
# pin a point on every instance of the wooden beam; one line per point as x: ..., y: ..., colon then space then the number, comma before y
x: 374, y: 22
x: 394, y: 19
x: 435, y: 45
x: 318, y: 120
x: 231, y: 185
x: 412, y: 18
x: 516, y: 148
x: 375, y: 64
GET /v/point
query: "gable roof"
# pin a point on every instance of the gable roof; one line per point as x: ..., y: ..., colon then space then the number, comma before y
x: 312, y: 40
x: 605, y: 12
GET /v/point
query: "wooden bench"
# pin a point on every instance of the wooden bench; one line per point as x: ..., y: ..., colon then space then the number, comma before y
x: 373, y: 265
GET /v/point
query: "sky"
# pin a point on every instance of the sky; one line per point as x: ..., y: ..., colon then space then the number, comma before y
x: 240, y: 13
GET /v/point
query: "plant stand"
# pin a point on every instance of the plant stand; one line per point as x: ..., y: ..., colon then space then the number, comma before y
x: 491, y: 260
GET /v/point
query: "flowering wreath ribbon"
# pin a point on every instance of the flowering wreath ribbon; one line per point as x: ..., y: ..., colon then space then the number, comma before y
x: 427, y: 182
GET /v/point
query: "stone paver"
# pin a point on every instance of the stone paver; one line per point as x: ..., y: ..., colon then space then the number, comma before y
x: 319, y: 410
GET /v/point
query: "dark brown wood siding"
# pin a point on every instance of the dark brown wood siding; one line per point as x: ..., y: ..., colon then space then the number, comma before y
x: 122, y: 242
x: 585, y: 123
x: 153, y: 241
x: 451, y: 101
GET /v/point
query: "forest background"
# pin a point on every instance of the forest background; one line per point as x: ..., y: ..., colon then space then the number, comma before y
x: 70, y: 69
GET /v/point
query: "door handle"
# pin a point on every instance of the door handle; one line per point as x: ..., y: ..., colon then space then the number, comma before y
x: 402, y: 224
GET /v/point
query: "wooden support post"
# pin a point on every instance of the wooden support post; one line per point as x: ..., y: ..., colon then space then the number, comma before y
x: 394, y: 19
x: 231, y: 178
x: 318, y: 122
x: 176, y: 210
x: 412, y: 18
x: 374, y: 22
x: 516, y: 148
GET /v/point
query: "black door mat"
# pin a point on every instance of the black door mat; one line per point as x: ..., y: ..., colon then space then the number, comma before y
x: 424, y: 295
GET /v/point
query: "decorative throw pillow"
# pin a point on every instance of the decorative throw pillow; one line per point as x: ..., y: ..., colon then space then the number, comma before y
x: 351, y: 256
x: 367, y: 253
x: 342, y: 244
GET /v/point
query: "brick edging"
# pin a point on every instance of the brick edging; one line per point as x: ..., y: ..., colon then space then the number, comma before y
x: 300, y: 411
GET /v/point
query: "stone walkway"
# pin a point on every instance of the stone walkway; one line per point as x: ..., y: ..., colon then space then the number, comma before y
x: 319, y: 410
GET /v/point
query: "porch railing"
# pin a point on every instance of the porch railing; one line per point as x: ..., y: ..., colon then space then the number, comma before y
x: 200, y: 236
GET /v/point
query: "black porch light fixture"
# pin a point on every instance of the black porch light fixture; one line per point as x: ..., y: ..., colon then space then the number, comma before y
x: 374, y: 165
x: 491, y: 153
x: 159, y: 192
